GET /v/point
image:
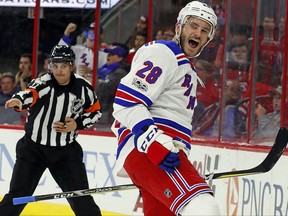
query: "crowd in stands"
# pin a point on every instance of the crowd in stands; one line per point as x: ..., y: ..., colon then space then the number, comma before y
x: 108, y: 78
x: 268, y: 122
x: 7, y: 89
x: 114, y: 62
x: 237, y: 91
x: 10, y: 84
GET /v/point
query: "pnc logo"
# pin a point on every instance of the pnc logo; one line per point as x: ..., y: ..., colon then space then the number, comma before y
x: 232, y: 196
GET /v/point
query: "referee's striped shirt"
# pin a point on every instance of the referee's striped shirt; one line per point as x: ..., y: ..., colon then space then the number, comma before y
x: 48, y: 102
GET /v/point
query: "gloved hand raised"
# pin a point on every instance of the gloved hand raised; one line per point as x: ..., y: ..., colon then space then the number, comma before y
x: 159, y: 148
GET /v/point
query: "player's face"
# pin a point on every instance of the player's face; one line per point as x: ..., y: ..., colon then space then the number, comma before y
x: 62, y: 72
x: 194, y: 36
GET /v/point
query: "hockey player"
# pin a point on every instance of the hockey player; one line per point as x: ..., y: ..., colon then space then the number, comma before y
x: 153, y: 108
x: 59, y: 104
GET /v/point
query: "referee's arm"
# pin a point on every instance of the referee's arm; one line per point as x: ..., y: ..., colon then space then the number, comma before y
x: 91, y: 113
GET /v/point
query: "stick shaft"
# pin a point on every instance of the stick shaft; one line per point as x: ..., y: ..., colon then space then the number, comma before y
x: 71, y: 194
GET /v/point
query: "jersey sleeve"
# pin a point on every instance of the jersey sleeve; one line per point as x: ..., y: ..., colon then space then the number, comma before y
x: 65, y: 40
x: 151, y: 72
x: 91, y: 112
x: 29, y: 96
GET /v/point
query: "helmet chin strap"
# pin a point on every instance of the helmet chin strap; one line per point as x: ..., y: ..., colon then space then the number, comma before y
x: 177, y: 37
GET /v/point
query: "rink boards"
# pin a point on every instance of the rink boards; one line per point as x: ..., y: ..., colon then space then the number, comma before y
x: 262, y: 194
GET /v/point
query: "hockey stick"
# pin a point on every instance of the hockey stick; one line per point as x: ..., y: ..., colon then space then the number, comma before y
x: 266, y: 165
x: 71, y: 194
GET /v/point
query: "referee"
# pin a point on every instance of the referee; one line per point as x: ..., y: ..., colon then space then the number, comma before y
x: 59, y: 104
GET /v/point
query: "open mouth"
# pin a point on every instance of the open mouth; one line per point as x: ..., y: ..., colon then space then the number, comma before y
x: 193, y: 43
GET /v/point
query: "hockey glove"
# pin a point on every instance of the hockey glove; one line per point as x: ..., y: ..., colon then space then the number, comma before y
x: 159, y: 148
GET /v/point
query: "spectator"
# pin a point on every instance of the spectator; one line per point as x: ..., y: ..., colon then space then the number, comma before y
x: 159, y: 35
x: 233, y: 123
x: 84, y: 53
x: 239, y: 54
x: 81, y: 39
x: 168, y: 33
x: 238, y: 33
x: 7, y: 89
x: 108, y: 78
x: 268, y: 50
x: 261, y: 90
x: 24, y: 75
x: 269, y: 27
x: 239, y: 63
x: 140, y: 40
x: 141, y: 26
x: 268, y: 124
x: 207, y: 94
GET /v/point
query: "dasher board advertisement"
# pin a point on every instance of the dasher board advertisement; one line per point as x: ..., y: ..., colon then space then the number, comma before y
x: 260, y: 194
x: 84, y: 4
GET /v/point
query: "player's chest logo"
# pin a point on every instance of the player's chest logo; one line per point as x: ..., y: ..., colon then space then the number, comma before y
x: 76, y: 106
x: 188, y: 84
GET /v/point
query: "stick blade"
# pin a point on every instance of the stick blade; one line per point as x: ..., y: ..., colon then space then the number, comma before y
x: 23, y: 200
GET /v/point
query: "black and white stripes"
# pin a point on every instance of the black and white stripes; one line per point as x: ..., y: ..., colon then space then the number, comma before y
x: 49, y: 102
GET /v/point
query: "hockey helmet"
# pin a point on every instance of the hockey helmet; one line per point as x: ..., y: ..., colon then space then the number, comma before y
x: 201, y: 11
x: 62, y: 53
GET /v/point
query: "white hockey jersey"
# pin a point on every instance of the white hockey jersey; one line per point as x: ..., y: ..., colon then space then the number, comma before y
x: 83, y: 54
x: 160, y: 89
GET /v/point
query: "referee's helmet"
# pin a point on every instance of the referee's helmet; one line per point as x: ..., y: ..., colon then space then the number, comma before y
x: 62, y: 53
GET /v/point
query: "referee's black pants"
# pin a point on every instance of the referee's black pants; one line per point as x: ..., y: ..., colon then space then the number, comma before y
x: 65, y: 165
